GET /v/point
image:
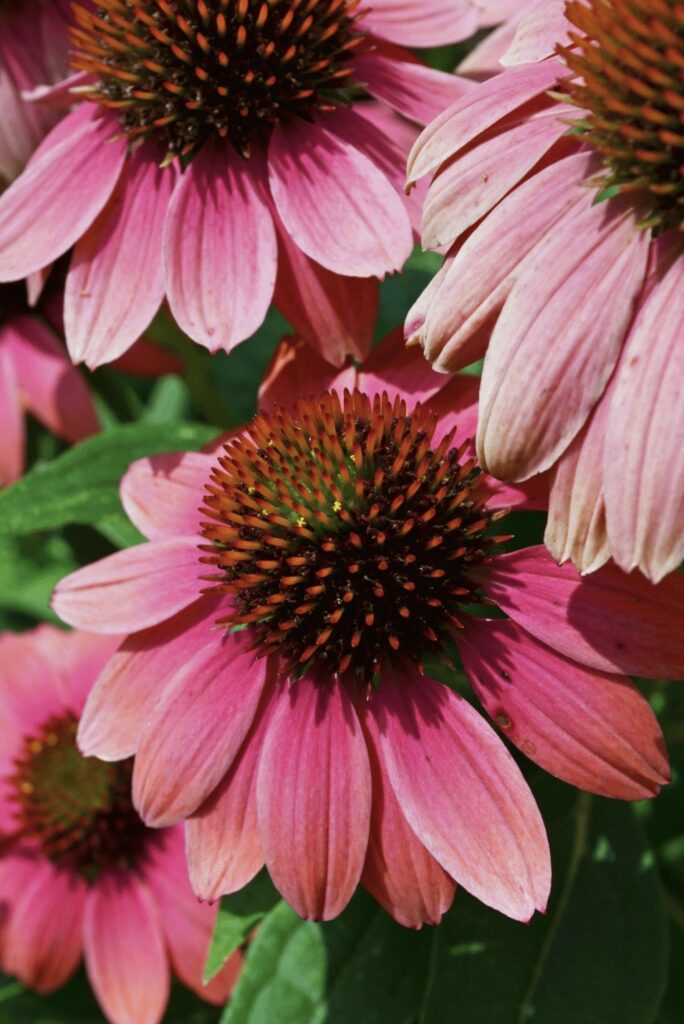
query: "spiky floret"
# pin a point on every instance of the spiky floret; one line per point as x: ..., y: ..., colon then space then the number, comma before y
x: 77, y: 809
x: 344, y: 537
x: 181, y: 71
x: 629, y: 56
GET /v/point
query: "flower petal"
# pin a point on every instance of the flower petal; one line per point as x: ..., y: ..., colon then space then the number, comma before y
x: 608, y: 620
x: 463, y: 794
x: 162, y: 494
x: 194, y: 732
x: 544, y: 28
x: 11, y: 417
x: 414, y: 90
x: 60, y: 193
x: 591, y: 729
x: 124, y: 950
x: 336, y: 204
x: 131, y: 589
x: 295, y: 370
x: 115, y: 283
x: 219, y: 246
x: 314, y: 797
x: 431, y: 23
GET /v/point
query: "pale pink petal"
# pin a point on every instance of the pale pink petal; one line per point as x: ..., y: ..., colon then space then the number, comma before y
x: 591, y: 729
x: 643, y: 465
x: 484, y: 60
x: 220, y: 248
x: 124, y: 950
x: 162, y: 494
x: 54, y: 390
x: 476, y: 113
x: 314, y: 797
x: 115, y: 282
x: 479, y: 276
x: 297, y: 370
x: 222, y: 839
x: 187, y: 924
x: 29, y: 687
x: 558, y: 338
x: 35, y: 283
x: 608, y: 620
x: 333, y: 313
x: 542, y: 29
x: 75, y: 660
x: 462, y: 192
x: 131, y: 686
x: 429, y: 23
x: 60, y: 193
x: 335, y: 203
x: 400, y: 371
x: 491, y: 12
x: 132, y: 589
x: 12, y: 436
x: 42, y: 916
x: 463, y: 794
x: 399, y: 872
x: 414, y: 90
x: 20, y: 129
x: 192, y: 735
x: 576, y: 526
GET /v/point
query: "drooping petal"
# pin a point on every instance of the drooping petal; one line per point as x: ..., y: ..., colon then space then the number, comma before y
x: 115, y: 282
x: 414, y: 90
x: 432, y: 23
x: 314, y: 798
x: 60, y: 193
x: 219, y: 247
x: 162, y: 494
x: 296, y: 369
x: 131, y: 589
x: 130, y: 687
x: 607, y: 620
x: 11, y: 418
x: 54, y: 390
x: 558, y: 338
x: 398, y: 871
x: 124, y: 950
x: 463, y: 794
x: 335, y: 203
x: 643, y: 463
x: 42, y: 911
x: 484, y: 60
x: 194, y: 732
x: 591, y: 729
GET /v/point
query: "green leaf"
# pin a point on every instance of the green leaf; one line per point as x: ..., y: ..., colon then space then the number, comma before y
x: 237, y: 916
x: 29, y: 573
x: 82, y: 484
x: 599, y: 956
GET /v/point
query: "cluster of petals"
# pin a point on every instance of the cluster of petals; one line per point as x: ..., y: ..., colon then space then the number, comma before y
x: 133, y: 927
x: 321, y: 205
x: 409, y: 791
x: 36, y: 375
x: 577, y: 306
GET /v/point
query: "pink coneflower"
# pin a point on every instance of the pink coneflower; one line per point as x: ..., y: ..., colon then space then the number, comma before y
x: 34, y: 46
x: 80, y: 874
x: 35, y: 375
x: 560, y: 185
x: 282, y: 702
x: 226, y: 152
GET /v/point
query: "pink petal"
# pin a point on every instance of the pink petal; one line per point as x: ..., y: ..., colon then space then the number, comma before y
x: 220, y: 246
x: 333, y: 313
x: 11, y: 417
x: 466, y: 189
x: 589, y: 728
x: 132, y: 589
x: 124, y: 950
x: 430, y: 23
x: 608, y: 620
x: 75, y: 661
x: 42, y: 914
x: 131, y: 685
x: 399, y: 872
x: 542, y: 29
x: 162, y: 494
x: 115, y: 283
x: 643, y: 465
x: 476, y: 113
x: 54, y: 390
x: 30, y: 689
x: 338, y: 207
x: 536, y: 396
x: 194, y: 732
x: 463, y: 794
x: 61, y: 192
x: 400, y: 371
x: 296, y: 370
x: 222, y: 839
x: 484, y: 60
x: 414, y: 90
x: 314, y: 797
